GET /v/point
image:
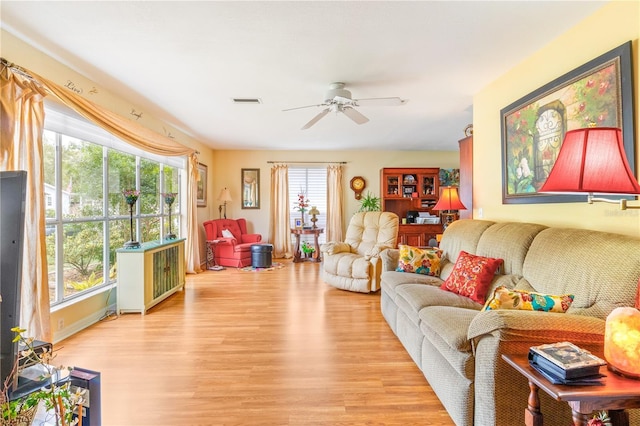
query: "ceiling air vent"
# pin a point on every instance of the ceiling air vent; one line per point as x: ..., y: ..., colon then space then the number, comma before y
x: 246, y: 100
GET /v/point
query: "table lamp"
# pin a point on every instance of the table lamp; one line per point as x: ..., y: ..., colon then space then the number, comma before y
x: 622, y: 340
x: 313, y: 212
x: 449, y: 202
x: 225, y: 197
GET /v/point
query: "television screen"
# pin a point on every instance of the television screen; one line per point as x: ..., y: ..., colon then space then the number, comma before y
x: 12, y: 209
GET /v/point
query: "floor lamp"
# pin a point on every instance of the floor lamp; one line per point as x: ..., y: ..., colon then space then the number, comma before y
x: 225, y: 197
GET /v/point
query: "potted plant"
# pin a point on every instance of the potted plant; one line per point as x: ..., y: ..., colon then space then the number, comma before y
x: 56, y: 395
x: 307, y: 249
x: 369, y: 203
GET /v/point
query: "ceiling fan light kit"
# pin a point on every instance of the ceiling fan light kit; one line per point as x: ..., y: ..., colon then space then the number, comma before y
x: 338, y: 99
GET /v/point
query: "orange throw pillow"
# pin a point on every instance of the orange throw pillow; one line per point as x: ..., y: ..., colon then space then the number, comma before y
x: 472, y: 276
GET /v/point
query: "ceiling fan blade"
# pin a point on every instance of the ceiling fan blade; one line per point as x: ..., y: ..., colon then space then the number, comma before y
x: 315, y: 119
x: 306, y: 106
x: 380, y: 101
x: 354, y: 115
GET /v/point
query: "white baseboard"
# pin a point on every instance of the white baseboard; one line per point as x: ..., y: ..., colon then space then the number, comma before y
x: 85, y: 322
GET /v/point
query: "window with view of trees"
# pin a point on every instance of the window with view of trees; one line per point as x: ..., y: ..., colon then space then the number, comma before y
x: 87, y: 217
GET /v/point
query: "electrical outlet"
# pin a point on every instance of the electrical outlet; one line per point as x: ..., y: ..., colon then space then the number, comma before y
x: 60, y: 323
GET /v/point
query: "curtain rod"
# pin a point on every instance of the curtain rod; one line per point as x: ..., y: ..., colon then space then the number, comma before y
x: 16, y: 68
x: 308, y: 162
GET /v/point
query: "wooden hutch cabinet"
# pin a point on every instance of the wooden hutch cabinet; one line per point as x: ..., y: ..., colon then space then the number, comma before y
x: 407, y: 190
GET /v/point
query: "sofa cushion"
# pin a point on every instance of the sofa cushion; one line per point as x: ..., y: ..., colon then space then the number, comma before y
x: 419, y: 261
x: 461, y: 235
x: 510, y: 242
x: 227, y: 234
x: 411, y: 298
x: 450, y: 325
x: 503, y: 298
x: 234, y: 228
x: 562, y: 261
x: 392, y: 279
x: 472, y: 276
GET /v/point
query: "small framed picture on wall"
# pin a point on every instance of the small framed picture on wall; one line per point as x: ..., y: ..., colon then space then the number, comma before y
x: 201, y: 195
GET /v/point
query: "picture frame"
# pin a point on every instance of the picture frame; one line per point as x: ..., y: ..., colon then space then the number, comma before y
x: 201, y: 185
x: 297, y: 222
x: 250, y: 184
x: 533, y: 127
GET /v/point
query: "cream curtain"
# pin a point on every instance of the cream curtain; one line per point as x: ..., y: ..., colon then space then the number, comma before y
x: 22, y: 118
x: 21, y: 148
x: 145, y: 139
x: 280, y: 227
x: 192, y: 250
x: 334, y: 203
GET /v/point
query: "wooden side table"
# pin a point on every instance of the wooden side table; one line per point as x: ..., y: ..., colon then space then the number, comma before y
x: 297, y: 256
x: 617, y: 394
x: 211, y: 256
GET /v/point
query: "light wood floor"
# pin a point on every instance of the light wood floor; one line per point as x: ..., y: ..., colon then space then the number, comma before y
x: 276, y: 347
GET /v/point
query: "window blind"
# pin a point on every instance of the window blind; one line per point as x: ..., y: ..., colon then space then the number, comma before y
x: 312, y: 181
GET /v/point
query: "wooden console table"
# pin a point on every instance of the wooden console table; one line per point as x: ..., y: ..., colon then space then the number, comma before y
x: 297, y: 256
x: 617, y: 394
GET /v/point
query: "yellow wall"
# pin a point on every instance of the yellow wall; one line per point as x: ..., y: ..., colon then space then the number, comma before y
x: 227, y: 167
x: 613, y: 25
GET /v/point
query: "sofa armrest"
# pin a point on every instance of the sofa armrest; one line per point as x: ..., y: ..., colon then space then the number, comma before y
x: 335, y: 247
x: 251, y: 238
x: 389, y: 258
x: 513, y: 325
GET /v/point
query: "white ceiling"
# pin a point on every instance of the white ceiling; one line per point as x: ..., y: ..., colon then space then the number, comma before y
x: 183, y: 62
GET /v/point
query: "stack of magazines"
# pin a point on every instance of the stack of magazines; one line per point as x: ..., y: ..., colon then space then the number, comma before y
x: 564, y: 363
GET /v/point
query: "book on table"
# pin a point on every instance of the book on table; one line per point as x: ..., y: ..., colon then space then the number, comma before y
x: 565, y: 360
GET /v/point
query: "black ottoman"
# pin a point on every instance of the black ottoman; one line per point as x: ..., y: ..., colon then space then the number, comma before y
x: 261, y: 255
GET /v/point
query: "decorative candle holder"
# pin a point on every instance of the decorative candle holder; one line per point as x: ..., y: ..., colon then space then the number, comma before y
x: 131, y: 196
x: 169, y: 199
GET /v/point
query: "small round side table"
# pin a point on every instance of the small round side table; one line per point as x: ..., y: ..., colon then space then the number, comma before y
x: 211, y: 256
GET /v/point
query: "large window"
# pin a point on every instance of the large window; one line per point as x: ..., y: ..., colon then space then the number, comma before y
x: 312, y: 182
x: 87, y: 219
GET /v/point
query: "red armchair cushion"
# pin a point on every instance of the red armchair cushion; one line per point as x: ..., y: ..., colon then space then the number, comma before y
x: 233, y: 227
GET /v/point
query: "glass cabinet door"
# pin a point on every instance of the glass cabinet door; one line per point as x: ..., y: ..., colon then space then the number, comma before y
x: 392, y: 186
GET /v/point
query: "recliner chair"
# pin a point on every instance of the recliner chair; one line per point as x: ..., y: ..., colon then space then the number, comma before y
x: 355, y: 264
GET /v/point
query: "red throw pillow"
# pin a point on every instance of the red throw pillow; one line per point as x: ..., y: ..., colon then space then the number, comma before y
x: 472, y: 276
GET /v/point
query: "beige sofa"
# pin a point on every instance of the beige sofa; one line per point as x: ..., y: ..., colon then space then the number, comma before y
x: 458, y: 348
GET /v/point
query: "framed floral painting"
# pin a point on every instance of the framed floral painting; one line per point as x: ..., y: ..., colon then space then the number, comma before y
x: 533, y: 128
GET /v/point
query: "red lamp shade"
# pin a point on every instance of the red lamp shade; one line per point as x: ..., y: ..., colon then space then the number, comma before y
x: 449, y: 200
x: 592, y: 160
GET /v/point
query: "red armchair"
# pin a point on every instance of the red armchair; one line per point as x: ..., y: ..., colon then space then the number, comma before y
x: 234, y: 249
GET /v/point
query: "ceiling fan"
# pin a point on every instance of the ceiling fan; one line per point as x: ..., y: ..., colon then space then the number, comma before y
x: 338, y: 99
